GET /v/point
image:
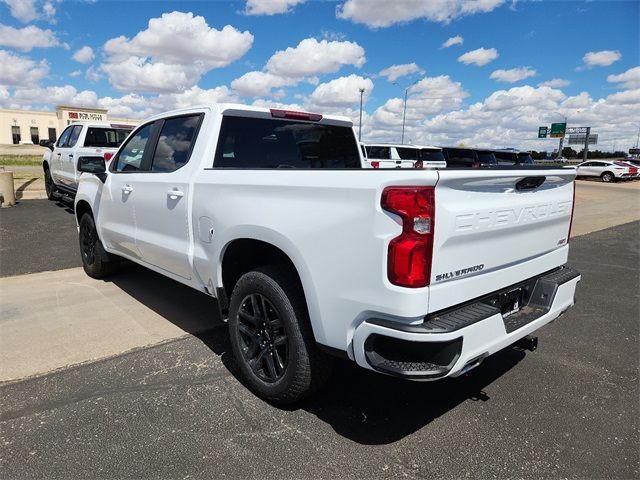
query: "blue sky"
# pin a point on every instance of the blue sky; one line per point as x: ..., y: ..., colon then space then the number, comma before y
x: 496, y: 98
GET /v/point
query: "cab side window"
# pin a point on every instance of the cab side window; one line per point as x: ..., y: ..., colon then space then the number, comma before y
x: 130, y: 157
x: 381, y: 153
x: 73, y: 138
x: 175, y: 143
x: 64, y: 137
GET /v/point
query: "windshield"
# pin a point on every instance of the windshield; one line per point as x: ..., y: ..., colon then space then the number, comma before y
x: 431, y: 155
x: 525, y: 157
x: 105, y: 137
x: 407, y: 153
x: 487, y: 158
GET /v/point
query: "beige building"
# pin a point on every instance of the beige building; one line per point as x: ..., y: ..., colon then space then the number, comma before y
x: 30, y: 126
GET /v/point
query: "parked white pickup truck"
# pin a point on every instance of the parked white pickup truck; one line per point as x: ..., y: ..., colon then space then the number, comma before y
x: 386, y: 155
x: 415, y: 273
x: 78, y: 139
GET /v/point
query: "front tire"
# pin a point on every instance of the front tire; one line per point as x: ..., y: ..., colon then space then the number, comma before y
x: 95, y: 261
x: 607, y: 177
x: 49, y: 186
x: 271, y: 337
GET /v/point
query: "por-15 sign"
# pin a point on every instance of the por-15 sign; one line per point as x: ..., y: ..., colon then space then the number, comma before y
x: 86, y: 116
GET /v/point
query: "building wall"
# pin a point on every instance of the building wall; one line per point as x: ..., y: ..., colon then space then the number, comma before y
x: 42, y: 122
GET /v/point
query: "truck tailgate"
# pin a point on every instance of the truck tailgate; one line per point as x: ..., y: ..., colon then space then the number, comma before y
x: 496, y: 227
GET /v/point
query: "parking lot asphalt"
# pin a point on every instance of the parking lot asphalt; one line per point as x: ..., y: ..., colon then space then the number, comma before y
x: 38, y: 235
x: 176, y: 409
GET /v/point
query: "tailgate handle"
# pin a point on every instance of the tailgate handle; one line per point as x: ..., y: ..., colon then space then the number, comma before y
x: 529, y: 183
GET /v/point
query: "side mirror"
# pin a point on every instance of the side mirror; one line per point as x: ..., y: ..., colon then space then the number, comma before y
x: 93, y: 165
x: 47, y: 143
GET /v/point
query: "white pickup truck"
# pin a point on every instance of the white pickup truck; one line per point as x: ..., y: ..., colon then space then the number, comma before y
x: 79, y: 139
x: 414, y: 273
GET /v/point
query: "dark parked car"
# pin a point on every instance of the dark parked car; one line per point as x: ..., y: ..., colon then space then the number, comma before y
x: 513, y: 157
x: 468, y: 157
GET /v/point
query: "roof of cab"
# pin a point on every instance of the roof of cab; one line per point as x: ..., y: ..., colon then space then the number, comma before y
x: 236, y: 109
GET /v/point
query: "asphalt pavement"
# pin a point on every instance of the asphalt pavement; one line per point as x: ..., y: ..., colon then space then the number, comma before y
x: 177, y: 410
x: 38, y: 235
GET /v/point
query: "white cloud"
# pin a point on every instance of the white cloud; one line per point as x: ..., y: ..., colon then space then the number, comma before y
x: 341, y: 92
x: 29, y: 10
x: 67, y: 95
x: 93, y: 74
x: 18, y: 70
x: 509, y: 118
x: 172, y: 53
x: 84, y: 55
x: 629, y: 79
x: 555, y: 83
x: 430, y: 96
x: 269, y: 7
x: 479, y: 57
x: 28, y: 38
x: 399, y: 11
x: 260, y: 84
x: 23, y: 10
x: 394, y: 72
x: 457, y: 40
x: 75, y: 73
x: 513, y: 75
x: 602, y: 58
x: 313, y: 57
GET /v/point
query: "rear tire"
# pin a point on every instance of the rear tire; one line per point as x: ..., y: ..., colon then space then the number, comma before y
x: 271, y: 337
x: 607, y: 177
x: 49, y: 185
x: 96, y: 262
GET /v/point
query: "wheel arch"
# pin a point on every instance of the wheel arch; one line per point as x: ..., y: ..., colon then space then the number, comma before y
x: 82, y: 207
x: 241, y: 255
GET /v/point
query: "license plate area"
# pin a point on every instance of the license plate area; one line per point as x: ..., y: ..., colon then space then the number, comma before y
x: 511, y: 302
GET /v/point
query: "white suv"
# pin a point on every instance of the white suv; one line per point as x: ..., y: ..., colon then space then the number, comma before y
x: 607, y: 170
x: 383, y: 155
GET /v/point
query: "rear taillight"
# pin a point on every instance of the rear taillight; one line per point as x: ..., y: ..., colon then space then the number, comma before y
x: 573, y: 207
x: 375, y: 164
x: 291, y: 115
x: 410, y: 253
x: 475, y: 165
x: 418, y: 164
x: 107, y: 156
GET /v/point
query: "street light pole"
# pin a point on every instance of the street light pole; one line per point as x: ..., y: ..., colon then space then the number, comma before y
x: 404, y: 113
x: 360, y: 124
x: 404, y: 108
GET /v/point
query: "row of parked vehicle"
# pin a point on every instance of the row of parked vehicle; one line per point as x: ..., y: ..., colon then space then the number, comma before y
x: 381, y: 155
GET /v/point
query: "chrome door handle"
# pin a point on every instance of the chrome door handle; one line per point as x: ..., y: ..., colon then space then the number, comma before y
x: 127, y: 189
x: 173, y: 194
x: 71, y: 155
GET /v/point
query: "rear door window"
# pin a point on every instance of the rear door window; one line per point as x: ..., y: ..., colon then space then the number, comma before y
x: 487, y: 158
x: 457, y: 157
x: 266, y: 143
x: 379, y: 153
x: 175, y: 143
x: 105, y: 137
x: 431, y: 155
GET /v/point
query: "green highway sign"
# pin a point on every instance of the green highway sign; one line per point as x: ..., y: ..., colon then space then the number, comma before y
x: 542, y: 132
x: 558, y: 130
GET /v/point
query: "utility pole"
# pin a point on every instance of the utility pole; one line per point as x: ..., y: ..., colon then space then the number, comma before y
x: 360, y: 124
x: 586, y: 145
x: 638, y: 137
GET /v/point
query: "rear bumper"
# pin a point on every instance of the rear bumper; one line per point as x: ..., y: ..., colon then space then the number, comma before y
x: 455, y: 340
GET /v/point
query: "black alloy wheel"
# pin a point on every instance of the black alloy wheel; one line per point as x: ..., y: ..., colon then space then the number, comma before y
x: 263, y: 339
x: 49, y: 187
x: 88, y: 242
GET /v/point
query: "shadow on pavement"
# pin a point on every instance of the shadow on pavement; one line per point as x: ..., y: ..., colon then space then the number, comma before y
x: 362, y: 406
